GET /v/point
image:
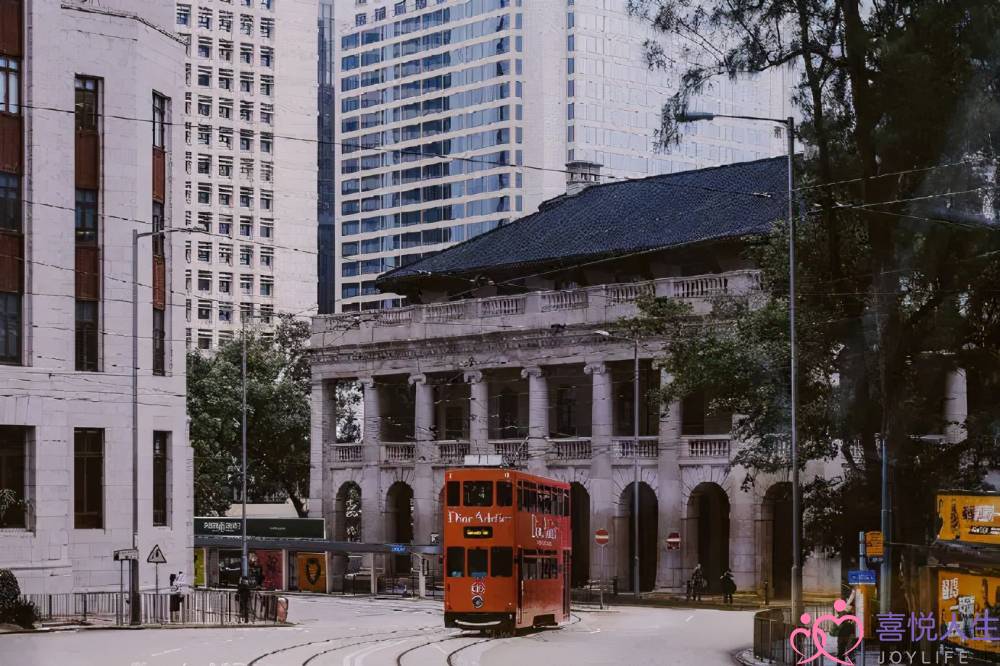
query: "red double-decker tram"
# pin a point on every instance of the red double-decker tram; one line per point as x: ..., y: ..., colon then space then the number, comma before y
x: 506, y: 550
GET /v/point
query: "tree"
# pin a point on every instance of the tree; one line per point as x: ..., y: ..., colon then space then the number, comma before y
x: 278, y: 422
x: 898, y: 261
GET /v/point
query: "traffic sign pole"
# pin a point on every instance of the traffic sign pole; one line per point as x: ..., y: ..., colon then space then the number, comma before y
x: 601, y: 538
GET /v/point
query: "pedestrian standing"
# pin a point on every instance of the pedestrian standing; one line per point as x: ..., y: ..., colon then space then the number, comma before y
x: 243, y: 593
x: 698, y: 582
x: 728, y: 586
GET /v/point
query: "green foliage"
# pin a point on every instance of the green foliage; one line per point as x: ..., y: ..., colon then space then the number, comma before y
x: 897, y: 259
x: 10, y: 591
x: 22, y: 613
x: 278, y: 387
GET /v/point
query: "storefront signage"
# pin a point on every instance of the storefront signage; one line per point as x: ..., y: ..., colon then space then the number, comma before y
x: 972, y: 518
x: 968, y: 607
x: 281, y: 528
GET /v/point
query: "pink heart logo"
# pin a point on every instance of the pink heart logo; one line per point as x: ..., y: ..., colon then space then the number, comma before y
x: 819, y: 636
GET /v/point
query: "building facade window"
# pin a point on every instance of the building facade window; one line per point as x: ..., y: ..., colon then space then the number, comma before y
x: 10, y: 328
x: 86, y: 336
x: 10, y: 85
x: 13, y: 458
x: 161, y: 446
x: 159, y: 121
x: 159, y: 342
x: 10, y: 202
x: 86, y: 217
x: 88, y: 478
x: 87, y: 111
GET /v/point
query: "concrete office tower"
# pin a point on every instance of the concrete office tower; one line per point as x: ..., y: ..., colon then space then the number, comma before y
x: 251, y: 160
x: 326, y: 294
x: 91, y: 151
x: 457, y: 116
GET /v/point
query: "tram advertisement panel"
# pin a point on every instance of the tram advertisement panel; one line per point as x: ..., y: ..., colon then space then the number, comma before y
x: 964, y: 599
x: 312, y: 572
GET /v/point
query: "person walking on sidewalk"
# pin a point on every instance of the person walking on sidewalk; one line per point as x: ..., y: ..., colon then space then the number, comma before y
x: 728, y: 586
x: 243, y: 593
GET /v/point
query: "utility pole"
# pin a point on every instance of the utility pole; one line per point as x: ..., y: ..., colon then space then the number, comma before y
x: 635, y: 484
x: 244, y: 561
x: 885, y: 579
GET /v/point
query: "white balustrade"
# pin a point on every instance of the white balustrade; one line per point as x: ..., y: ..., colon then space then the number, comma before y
x: 510, y: 449
x: 440, y: 312
x: 571, y: 448
x: 701, y: 287
x: 624, y: 448
x: 398, y: 452
x: 627, y: 293
x: 453, y: 452
x: 501, y: 306
x: 553, y: 301
x: 708, y: 447
x: 349, y: 453
x: 394, y: 317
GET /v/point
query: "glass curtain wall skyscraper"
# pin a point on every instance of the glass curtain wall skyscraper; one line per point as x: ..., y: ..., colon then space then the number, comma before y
x: 326, y: 241
x: 456, y: 116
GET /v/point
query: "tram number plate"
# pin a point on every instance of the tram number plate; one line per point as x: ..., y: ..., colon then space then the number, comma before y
x: 478, y: 588
x: 479, y: 532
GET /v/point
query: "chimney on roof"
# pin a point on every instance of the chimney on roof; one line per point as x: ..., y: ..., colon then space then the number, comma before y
x: 580, y: 175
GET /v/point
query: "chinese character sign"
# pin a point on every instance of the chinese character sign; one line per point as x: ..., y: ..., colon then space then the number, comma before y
x: 969, y: 518
x: 968, y: 610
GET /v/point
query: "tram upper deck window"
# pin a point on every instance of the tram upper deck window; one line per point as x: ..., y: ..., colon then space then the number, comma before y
x: 454, y: 492
x: 505, y: 494
x: 502, y: 558
x: 477, y: 493
x: 455, y: 564
x: 478, y: 559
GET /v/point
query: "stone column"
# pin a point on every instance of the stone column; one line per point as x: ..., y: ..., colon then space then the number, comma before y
x: 479, y: 412
x: 669, y: 573
x: 323, y: 437
x: 538, y: 419
x: 956, y: 406
x: 601, y: 503
x: 743, y: 549
x: 371, y: 480
x: 424, y: 456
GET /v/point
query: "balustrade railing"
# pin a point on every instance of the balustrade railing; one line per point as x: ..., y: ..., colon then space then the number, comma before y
x: 452, y: 452
x: 440, y: 312
x: 708, y: 447
x: 501, y: 306
x: 398, y: 452
x: 627, y: 293
x: 701, y: 287
x: 397, y: 317
x: 552, y: 301
x: 349, y: 453
x: 571, y: 448
x: 511, y: 449
x: 625, y: 447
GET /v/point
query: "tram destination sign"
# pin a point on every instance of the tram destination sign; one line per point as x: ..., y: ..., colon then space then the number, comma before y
x: 275, y: 528
x: 480, y: 532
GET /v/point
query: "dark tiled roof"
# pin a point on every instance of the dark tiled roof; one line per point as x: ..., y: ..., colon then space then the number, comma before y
x: 622, y: 217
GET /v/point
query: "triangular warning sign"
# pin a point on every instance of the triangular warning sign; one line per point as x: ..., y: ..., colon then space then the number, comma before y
x: 156, y: 556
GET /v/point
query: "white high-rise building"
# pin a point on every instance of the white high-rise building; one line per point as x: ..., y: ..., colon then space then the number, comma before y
x: 456, y: 116
x: 251, y: 162
x: 91, y: 152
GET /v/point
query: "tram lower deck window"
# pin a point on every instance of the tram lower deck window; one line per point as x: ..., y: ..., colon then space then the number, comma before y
x: 455, y: 564
x: 502, y: 559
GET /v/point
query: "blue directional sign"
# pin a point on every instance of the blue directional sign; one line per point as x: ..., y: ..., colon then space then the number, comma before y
x: 397, y: 548
x: 861, y: 577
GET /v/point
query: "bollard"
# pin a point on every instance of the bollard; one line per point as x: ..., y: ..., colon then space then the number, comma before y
x: 282, y: 611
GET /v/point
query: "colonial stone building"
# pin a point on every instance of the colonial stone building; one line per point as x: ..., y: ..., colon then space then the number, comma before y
x: 504, y: 349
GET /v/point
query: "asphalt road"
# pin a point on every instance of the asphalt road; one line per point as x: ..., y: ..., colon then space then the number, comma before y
x: 376, y: 632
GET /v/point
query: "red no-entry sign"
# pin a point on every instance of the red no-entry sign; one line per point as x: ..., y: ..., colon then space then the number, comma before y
x: 601, y: 537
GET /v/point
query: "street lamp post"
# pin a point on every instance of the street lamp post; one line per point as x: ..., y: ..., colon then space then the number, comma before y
x: 134, y: 564
x: 789, y: 124
x: 635, y: 458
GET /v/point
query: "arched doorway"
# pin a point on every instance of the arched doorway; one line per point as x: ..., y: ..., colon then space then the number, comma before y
x: 708, y: 507
x: 579, y: 501
x: 777, y: 516
x: 399, y: 522
x: 347, y: 513
x: 648, y: 535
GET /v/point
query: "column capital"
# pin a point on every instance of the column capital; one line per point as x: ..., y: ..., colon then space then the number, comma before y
x: 473, y: 376
x: 598, y: 368
x: 366, y: 382
x: 418, y: 379
x: 532, y: 371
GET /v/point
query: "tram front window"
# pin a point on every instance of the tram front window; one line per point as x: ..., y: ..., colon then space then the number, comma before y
x: 456, y: 562
x: 477, y: 562
x: 477, y: 493
x: 502, y: 558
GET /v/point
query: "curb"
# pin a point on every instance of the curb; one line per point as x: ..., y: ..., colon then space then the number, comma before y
x: 92, y: 627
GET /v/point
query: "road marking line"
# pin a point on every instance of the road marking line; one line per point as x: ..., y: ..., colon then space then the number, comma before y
x: 688, y: 618
x: 160, y: 654
x: 595, y: 631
